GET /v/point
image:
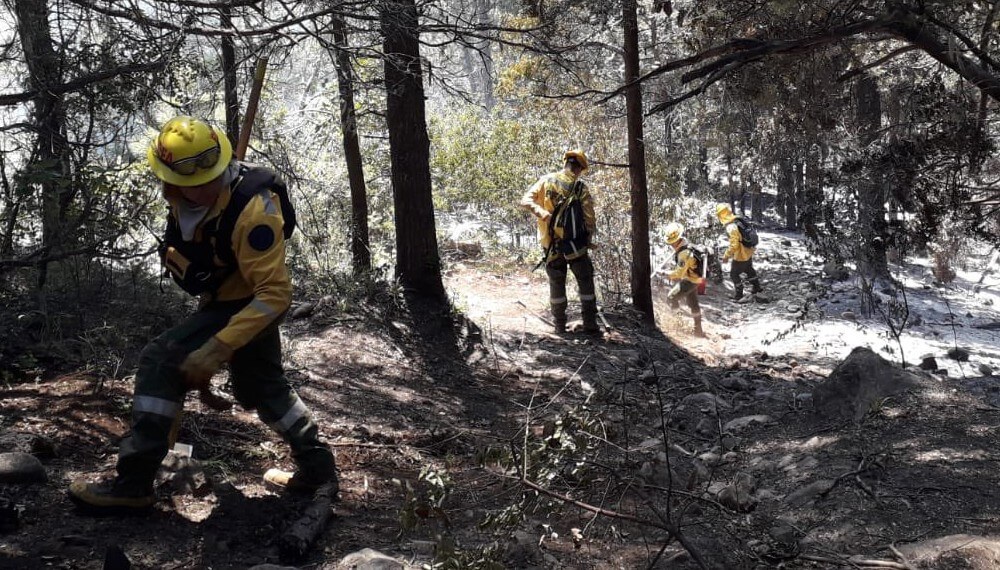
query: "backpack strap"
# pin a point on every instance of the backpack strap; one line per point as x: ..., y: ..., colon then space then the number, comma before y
x: 248, y: 183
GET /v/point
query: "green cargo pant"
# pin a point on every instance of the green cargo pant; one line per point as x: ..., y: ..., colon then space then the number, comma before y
x: 583, y: 269
x: 258, y: 382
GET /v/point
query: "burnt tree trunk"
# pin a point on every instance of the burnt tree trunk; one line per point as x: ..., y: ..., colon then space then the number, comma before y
x: 785, y: 196
x: 795, y: 201
x: 812, y: 202
x: 642, y: 295
x: 870, y: 252
x: 361, y: 259
x: 418, y: 264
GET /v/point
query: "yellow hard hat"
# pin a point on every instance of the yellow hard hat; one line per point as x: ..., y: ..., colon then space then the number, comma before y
x: 724, y: 212
x: 189, y: 152
x: 675, y: 232
x: 577, y: 155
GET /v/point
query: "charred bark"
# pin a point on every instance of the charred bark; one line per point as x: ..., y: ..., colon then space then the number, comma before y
x: 418, y: 264
x: 642, y: 295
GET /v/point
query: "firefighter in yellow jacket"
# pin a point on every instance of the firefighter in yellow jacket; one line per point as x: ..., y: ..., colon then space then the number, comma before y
x: 742, y: 270
x: 686, y: 274
x: 566, y: 227
x: 225, y: 242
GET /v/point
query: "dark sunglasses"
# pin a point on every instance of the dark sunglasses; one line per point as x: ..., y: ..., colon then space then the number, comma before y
x: 188, y: 166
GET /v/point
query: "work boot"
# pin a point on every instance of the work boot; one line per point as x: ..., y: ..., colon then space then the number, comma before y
x: 755, y: 287
x: 559, y: 327
x: 589, y: 314
x: 738, y: 294
x: 559, y: 315
x: 698, y: 331
x: 112, y: 496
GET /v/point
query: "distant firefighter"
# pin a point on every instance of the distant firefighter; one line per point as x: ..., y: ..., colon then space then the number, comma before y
x: 742, y: 244
x: 566, y: 227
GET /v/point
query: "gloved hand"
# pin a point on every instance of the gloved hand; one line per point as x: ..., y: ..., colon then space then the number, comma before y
x: 199, y: 366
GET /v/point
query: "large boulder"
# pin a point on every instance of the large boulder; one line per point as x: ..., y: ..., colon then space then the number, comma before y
x: 861, y: 379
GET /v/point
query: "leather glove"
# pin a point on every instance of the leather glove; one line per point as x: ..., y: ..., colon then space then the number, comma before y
x: 199, y: 366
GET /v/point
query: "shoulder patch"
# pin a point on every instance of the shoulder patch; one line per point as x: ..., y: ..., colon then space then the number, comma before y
x: 261, y: 237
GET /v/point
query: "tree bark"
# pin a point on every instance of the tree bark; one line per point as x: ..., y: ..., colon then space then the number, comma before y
x: 796, y: 199
x: 231, y: 85
x: 49, y: 161
x: 361, y: 260
x: 812, y: 203
x: 642, y: 296
x: 870, y: 254
x: 785, y: 198
x: 485, y: 73
x: 418, y: 264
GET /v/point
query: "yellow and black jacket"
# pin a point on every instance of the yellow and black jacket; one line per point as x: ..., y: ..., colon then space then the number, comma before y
x: 736, y: 250
x: 686, y: 267
x: 237, y: 253
x: 546, y: 195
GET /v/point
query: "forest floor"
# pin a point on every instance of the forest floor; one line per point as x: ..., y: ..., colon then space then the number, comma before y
x: 422, y: 407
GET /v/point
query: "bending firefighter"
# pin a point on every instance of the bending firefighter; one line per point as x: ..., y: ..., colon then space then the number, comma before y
x: 742, y: 244
x: 225, y: 241
x: 566, y: 225
x: 687, y: 273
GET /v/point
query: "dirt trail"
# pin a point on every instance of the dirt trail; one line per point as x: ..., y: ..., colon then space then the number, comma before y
x: 411, y: 400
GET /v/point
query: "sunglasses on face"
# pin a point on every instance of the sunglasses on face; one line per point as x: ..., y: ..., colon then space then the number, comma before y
x: 188, y: 166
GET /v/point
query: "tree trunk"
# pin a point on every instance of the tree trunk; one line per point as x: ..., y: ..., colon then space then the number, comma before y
x: 418, y: 265
x: 786, y: 190
x: 361, y: 260
x: 756, y: 202
x: 812, y: 202
x: 870, y: 254
x: 642, y: 296
x: 11, y: 209
x: 49, y: 160
x: 232, y: 101
x: 795, y: 200
x: 484, y: 7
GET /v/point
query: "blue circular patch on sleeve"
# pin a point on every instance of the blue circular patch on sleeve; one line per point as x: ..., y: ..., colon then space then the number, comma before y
x: 261, y: 238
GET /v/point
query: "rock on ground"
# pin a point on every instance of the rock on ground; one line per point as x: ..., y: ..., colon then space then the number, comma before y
x: 861, y: 379
x: 955, y: 551
x: 20, y: 467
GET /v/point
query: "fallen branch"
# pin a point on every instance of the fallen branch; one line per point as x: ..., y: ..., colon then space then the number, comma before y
x: 855, y: 562
x: 300, y: 536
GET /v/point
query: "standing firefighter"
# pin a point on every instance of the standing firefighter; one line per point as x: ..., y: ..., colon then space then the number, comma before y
x: 689, y: 270
x: 742, y: 244
x: 566, y: 224
x: 225, y: 241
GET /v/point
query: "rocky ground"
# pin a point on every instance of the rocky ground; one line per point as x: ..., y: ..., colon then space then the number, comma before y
x: 476, y: 438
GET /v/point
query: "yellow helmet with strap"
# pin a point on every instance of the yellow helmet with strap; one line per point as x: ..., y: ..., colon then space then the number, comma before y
x: 189, y: 152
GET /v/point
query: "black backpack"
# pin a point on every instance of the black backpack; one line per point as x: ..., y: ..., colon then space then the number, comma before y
x: 568, y: 217
x: 748, y: 233
x: 200, y: 274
